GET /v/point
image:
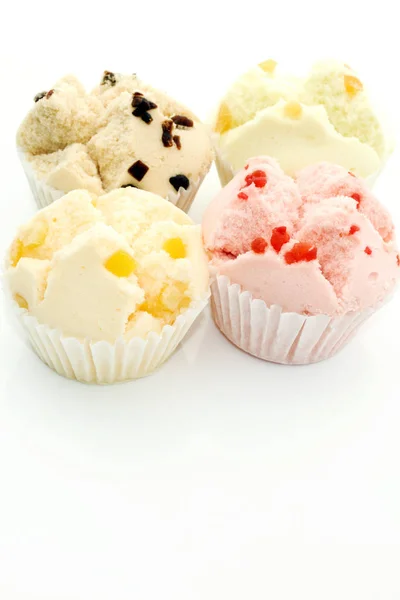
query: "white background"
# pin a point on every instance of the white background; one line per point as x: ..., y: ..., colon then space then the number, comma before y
x: 220, y: 477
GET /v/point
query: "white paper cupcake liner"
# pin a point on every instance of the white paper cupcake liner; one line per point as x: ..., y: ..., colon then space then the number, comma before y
x: 224, y: 169
x: 184, y: 198
x: 276, y: 336
x: 226, y: 172
x: 103, y: 362
x: 45, y: 194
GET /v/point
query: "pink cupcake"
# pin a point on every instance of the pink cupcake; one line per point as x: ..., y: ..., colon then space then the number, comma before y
x: 297, y: 264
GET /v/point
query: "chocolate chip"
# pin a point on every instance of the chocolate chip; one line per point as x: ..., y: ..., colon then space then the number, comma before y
x: 49, y: 93
x: 177, y: 141
x: 109, y: 78
x: 149, y: 103
x: 137, y: 98
x: 146, y: 117
x: 181, y: 121
x: 179, y: 181
x: 129, y: 185
x: 138, y: 170
x: 39, y: 96
x: 167, y: 133
x: 142, y: 105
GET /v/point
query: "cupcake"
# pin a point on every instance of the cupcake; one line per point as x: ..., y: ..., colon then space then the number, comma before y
x: 325, y: 116
x: 123, y: 133
x: 106, y: 287
x: 297, y: 264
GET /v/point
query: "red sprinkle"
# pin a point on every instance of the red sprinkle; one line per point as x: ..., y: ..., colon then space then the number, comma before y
x: 357, y: 198
x: 242, y: 196
x: 226, y: 254
x: 279, y: 237
x: 398, y: 260
x: 301, y: 252
x: 352, y: 174
x: 259, y: 178
x: 368, y: 250
x: 246, y: 167
x: 259, y: 245
x: 354, y: 229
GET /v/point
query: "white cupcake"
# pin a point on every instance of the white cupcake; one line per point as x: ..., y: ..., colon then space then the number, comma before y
x: 326, y: 116
x: 106, y: 287
x: 124, y: 133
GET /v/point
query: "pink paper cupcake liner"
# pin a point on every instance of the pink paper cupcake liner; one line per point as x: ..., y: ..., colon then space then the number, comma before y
x: 276, y: 336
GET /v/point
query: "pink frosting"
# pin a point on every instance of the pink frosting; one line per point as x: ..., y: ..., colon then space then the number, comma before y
x: 356, y: 263
x: 231, y: 224
x: 325, y: 180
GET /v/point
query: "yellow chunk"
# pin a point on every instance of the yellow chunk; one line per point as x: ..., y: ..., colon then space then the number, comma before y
x: 27, y: 246
x: 120, y: 264
x: 154, y: 307
x: 16, y: 252
x: 352, y: 85
x: 175, y: 248
x: 168, y: 303
x: 293, y: 110
x: 224, y: 120
x: 36, y: 236
x: 20, y: 300
x: 174, y: 297
x: 268, y: 65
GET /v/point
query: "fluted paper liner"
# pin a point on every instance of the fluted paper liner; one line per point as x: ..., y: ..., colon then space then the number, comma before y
x: 277, y: 336
x: 226, y: 171
x: 103, y: 362
x: 184, y: 198
x: 45, y: 194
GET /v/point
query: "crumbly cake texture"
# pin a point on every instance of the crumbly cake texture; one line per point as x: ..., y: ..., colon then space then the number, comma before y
x: 337, y: 88
x: 114, y: 84
x: 62, y: 116
x: 69, y: 169
x: 324, y: 116
x: 122, y: 264
x: 317, y: 244
x: 172, y: 155
x: 134, y: 135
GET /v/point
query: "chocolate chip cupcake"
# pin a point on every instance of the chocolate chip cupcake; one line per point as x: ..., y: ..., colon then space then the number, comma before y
x: 124, y: 133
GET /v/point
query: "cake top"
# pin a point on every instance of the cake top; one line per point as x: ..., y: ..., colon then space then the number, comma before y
x: 63, y: 115
x: 130, y: 129
x: 272, y: 233
x: 326, y: 115
x: 122, y: 264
